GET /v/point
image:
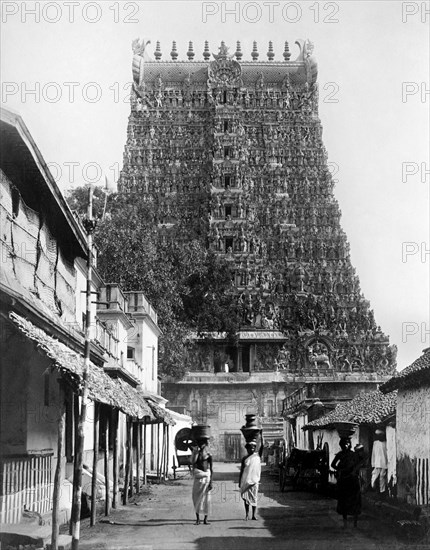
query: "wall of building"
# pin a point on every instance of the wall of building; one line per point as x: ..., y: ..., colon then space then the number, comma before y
x: 413, y: 445
x: 29, y: 397
x: 223, y: 407
x: 145, y: 343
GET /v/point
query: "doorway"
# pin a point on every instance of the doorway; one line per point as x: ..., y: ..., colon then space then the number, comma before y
x: 232, y: 447
x: 246, y: 349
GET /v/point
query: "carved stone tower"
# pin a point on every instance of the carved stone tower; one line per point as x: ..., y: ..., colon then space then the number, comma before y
x: 230, y: 151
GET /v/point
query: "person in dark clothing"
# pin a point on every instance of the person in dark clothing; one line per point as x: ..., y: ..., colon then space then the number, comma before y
x: 347, y: 466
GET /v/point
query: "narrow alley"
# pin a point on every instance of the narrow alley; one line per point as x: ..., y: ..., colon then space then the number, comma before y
x: 163, y: 519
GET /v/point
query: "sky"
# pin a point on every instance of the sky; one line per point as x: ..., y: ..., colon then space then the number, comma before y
x: 66, y: 68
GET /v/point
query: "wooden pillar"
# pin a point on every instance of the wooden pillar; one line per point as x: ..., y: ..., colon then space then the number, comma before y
x: 158, y: 450
x: 106, y: 463
x: 167, y: 449
x: 131, y: 459
x: 115, y: 423
x: 58, y: 468
x: 161, y: 458
x: 138, y: 454
x: 128, y: 462
x: 144, y: 451
x: 95, y: 461
x: 151, y: 456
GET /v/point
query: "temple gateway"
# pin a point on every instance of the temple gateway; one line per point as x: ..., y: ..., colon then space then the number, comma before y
x: 231, y: 151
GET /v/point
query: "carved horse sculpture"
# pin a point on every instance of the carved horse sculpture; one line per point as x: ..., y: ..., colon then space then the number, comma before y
x: 318, y: 358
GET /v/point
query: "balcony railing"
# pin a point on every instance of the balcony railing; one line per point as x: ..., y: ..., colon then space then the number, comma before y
x: 106, y: 338
x: 134, y: 368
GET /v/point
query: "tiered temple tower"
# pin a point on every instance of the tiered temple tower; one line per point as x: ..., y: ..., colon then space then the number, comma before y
x: 230, y: 151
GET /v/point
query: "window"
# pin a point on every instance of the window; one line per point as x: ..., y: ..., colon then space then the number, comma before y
x: 130, y: 353
x: 227, y: 181
x: 226, y: 126
x: 226, y: 151
x: 227, y: 212
x: 225, y: 97
x: 228, y: 243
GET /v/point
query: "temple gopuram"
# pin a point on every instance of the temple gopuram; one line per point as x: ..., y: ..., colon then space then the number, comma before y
x: 232, y: 150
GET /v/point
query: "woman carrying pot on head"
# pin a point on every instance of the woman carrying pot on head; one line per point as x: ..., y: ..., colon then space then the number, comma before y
x: 347, y: 464
x: 201, y: 461
x: 250, y: 473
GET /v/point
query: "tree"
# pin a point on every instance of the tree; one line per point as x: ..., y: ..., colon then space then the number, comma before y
x: 188, y: 286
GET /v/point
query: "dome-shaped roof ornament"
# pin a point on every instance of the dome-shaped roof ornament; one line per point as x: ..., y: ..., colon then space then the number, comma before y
x: 157, y: 53
x: 238, y: 53
x: 270, y: 53
x: 206, y: 52
x: 174, y: 52
x: 190, y: 52
x: 254, y: 53
x: 287, y: 53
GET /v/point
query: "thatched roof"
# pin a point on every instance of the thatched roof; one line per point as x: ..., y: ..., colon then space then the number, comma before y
x: 417, y: 374
x: 366, y: 408
x: 101, y: 387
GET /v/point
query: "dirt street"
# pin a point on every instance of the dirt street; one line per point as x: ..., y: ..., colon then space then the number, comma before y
x: 163, y: 519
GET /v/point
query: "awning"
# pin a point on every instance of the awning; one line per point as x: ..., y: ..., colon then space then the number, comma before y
x: 70, y: 364
x: 163, y: 415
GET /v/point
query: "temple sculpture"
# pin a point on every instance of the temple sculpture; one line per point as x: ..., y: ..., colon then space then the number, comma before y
x: 230, y: 151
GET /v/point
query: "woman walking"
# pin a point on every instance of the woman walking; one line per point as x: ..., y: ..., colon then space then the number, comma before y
x: 201, y: 460
x: 249, y: 478
x: 347, y: 465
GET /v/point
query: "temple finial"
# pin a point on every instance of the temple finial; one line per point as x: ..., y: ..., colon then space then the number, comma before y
x: 190, y: 52
x: 206, y: 52
x: 174, y: 52
x: 286, y: 53
x: 270, y: 54
x: 157, y: 53
x: 238, y: 53
x: 254, y: 53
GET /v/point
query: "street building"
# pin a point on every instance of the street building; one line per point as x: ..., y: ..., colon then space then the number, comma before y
x: 128, y: 433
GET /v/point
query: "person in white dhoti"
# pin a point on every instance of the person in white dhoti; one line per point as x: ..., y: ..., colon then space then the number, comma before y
x: 249, y: 478
x: 201, y: 460
x: 379, y: 461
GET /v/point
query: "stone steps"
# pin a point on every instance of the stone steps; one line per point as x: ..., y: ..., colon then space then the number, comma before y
x: 273, y: 428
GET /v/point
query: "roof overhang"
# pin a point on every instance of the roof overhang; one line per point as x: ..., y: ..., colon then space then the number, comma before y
x: 23, y: 164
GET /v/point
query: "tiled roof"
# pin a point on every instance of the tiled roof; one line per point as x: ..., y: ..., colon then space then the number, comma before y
x: 415, y: 374
x: 101, y: 387
x: 366, y: 408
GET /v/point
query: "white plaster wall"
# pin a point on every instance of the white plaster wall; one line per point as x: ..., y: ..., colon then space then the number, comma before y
x: 144, y: 340
x: 89, y: 428
x: 413, y: 423
x: 391, y: 453
x: 182, y: 421
x: 302, y: 437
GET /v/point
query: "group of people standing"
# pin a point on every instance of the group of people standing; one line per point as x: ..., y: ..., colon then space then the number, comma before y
x: 346, y: 463
x: 249, y: 478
